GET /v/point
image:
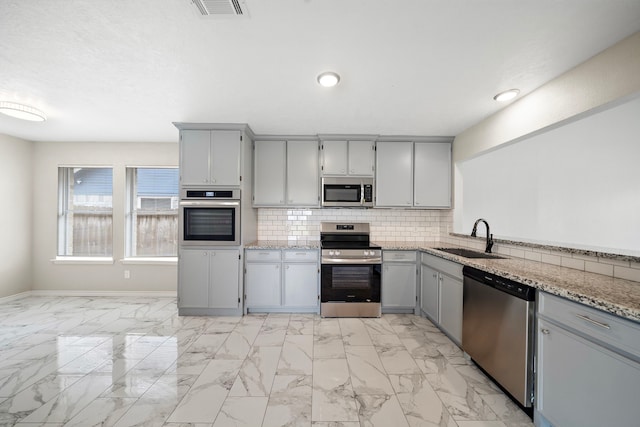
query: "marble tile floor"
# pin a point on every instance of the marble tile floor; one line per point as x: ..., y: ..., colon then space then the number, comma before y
x: 80, y: 361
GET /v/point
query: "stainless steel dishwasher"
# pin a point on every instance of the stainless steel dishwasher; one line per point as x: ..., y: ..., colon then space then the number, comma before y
x: 498, y: 330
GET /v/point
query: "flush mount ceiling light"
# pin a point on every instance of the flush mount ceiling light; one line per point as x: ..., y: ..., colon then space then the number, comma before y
x: 23, y: 112
x: 328, y: 79
x: 507, y: 95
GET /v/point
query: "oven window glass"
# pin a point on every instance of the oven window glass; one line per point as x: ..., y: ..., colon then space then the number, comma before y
x: 341, y: 193
x: 351, y: 277
x: 214, y: 224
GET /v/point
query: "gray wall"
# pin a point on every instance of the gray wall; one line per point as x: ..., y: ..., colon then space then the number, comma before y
x: 15, y: 215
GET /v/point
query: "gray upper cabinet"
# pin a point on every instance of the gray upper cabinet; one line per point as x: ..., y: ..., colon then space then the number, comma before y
x: 353, y: 157
x: 302, y: 173
x: 286, y: 173
x: 210, y: 157
x: 432, y: 176
x: 269, y: 173
x: 413, y: 174
x: 394, y: 174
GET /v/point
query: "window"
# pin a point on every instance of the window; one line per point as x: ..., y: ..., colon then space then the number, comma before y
x: 85, y: 212
x: 152, y: 212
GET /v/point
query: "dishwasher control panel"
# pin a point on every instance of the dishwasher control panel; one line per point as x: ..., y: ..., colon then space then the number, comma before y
x: 509, y: 286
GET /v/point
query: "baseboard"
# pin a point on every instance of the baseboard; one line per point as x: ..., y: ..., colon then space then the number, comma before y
x: 86, y: 293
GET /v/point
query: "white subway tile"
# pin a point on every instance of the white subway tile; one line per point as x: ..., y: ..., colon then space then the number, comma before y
x: 551, y: 259
x: 599, y: 268
x: 626, y: 273
x: 569, y: 262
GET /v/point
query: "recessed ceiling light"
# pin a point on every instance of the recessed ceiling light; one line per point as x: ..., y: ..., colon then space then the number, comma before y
x: 328, y: 79
x: 507, y: 95
x: 23, y: 112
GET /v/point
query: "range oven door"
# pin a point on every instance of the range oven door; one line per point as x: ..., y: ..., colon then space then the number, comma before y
x: 350, y: 283
x: 210, y: 223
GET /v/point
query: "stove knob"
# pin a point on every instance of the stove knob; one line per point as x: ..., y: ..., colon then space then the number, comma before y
x: 337, y: 252
x: 366, y: 253
x: 331, y: 253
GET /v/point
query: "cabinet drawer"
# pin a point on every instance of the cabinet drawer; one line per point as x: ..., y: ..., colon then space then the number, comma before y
x: 399, y: 256
x: 613, y: 331
x: 448, y: 267
x: 255, y: 255
x: 302, y: 255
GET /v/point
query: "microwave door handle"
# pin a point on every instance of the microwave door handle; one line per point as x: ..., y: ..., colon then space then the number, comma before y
x: 362, y: 193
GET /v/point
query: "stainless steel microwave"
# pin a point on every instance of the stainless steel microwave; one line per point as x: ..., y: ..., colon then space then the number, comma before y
x: 347, y: 192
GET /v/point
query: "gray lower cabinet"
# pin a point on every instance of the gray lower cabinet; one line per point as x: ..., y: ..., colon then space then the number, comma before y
x: 281, y: 280
x: 588, y: 366
x: 441, y: 294
x: 399, y: 276
x: 209, y: 282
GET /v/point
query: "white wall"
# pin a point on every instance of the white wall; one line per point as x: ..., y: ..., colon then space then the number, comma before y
x: 576, y: 186
x: 605, y: 81
x: 15, y: 215
x: 47, y: 157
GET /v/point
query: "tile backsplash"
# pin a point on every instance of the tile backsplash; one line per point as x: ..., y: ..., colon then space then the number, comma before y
x: 429, y: 226
x: 400, y: 225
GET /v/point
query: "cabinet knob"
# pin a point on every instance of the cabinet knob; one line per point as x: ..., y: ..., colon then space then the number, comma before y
x: 545, y: 331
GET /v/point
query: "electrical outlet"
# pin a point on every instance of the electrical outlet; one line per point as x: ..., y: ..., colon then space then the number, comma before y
x: 127, y: 274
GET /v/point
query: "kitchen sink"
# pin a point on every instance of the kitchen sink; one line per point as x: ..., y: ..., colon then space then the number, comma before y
x: 468, y: 253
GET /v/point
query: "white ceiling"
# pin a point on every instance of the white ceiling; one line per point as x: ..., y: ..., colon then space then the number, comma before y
x: 123, y: 70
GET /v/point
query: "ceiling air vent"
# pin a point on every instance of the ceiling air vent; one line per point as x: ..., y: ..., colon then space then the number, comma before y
x: 220, y: 7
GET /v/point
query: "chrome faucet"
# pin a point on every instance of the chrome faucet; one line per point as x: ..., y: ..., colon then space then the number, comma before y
x: 489, y: 235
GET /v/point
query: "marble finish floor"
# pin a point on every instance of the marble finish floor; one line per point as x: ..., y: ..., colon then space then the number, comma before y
x: 80, y: 361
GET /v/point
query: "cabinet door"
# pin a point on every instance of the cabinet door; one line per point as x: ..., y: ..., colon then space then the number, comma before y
x: 300, y: 285
x: 263, y: 285
x: 432, y: 186
x: 269, y: 173
x: 195, y: 152
x: 334, y: 157
x: 394, y: 174
x: 225, y: 157
x: 302, y: 173
x: 429, y: 292
x: 361, y: 158
x: 583, y: 384
x: 398, y: 285
x: 451, y: 306
x: 193, y: 279
x: 224, y: 288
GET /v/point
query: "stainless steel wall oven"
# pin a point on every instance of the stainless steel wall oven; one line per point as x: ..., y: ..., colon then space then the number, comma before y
x: 209, y: 217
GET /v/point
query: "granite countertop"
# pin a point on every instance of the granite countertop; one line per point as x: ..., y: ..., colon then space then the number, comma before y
x: 617, y: 296
x: 284, y: 244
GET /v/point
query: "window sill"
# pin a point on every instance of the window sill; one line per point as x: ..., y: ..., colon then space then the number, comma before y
x: 168, y: 260
x: 96, y: 260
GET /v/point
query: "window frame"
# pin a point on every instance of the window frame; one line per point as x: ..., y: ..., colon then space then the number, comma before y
x: 131, y: 214
x: 65, y: 176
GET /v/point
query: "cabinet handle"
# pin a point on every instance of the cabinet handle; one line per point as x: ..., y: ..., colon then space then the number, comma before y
x: 595, y: 322
x: 435, y: 276
x: 545, y: 331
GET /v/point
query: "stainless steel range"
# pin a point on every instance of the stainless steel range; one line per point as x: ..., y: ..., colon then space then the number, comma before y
x: 350, y: 271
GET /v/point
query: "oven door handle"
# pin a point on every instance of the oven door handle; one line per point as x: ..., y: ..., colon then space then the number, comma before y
x: 209, y: 203
x: 329, y: 261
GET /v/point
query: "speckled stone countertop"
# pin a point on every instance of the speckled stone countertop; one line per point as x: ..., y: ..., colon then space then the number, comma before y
x: 617, y: 296
x: 284, y: 244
